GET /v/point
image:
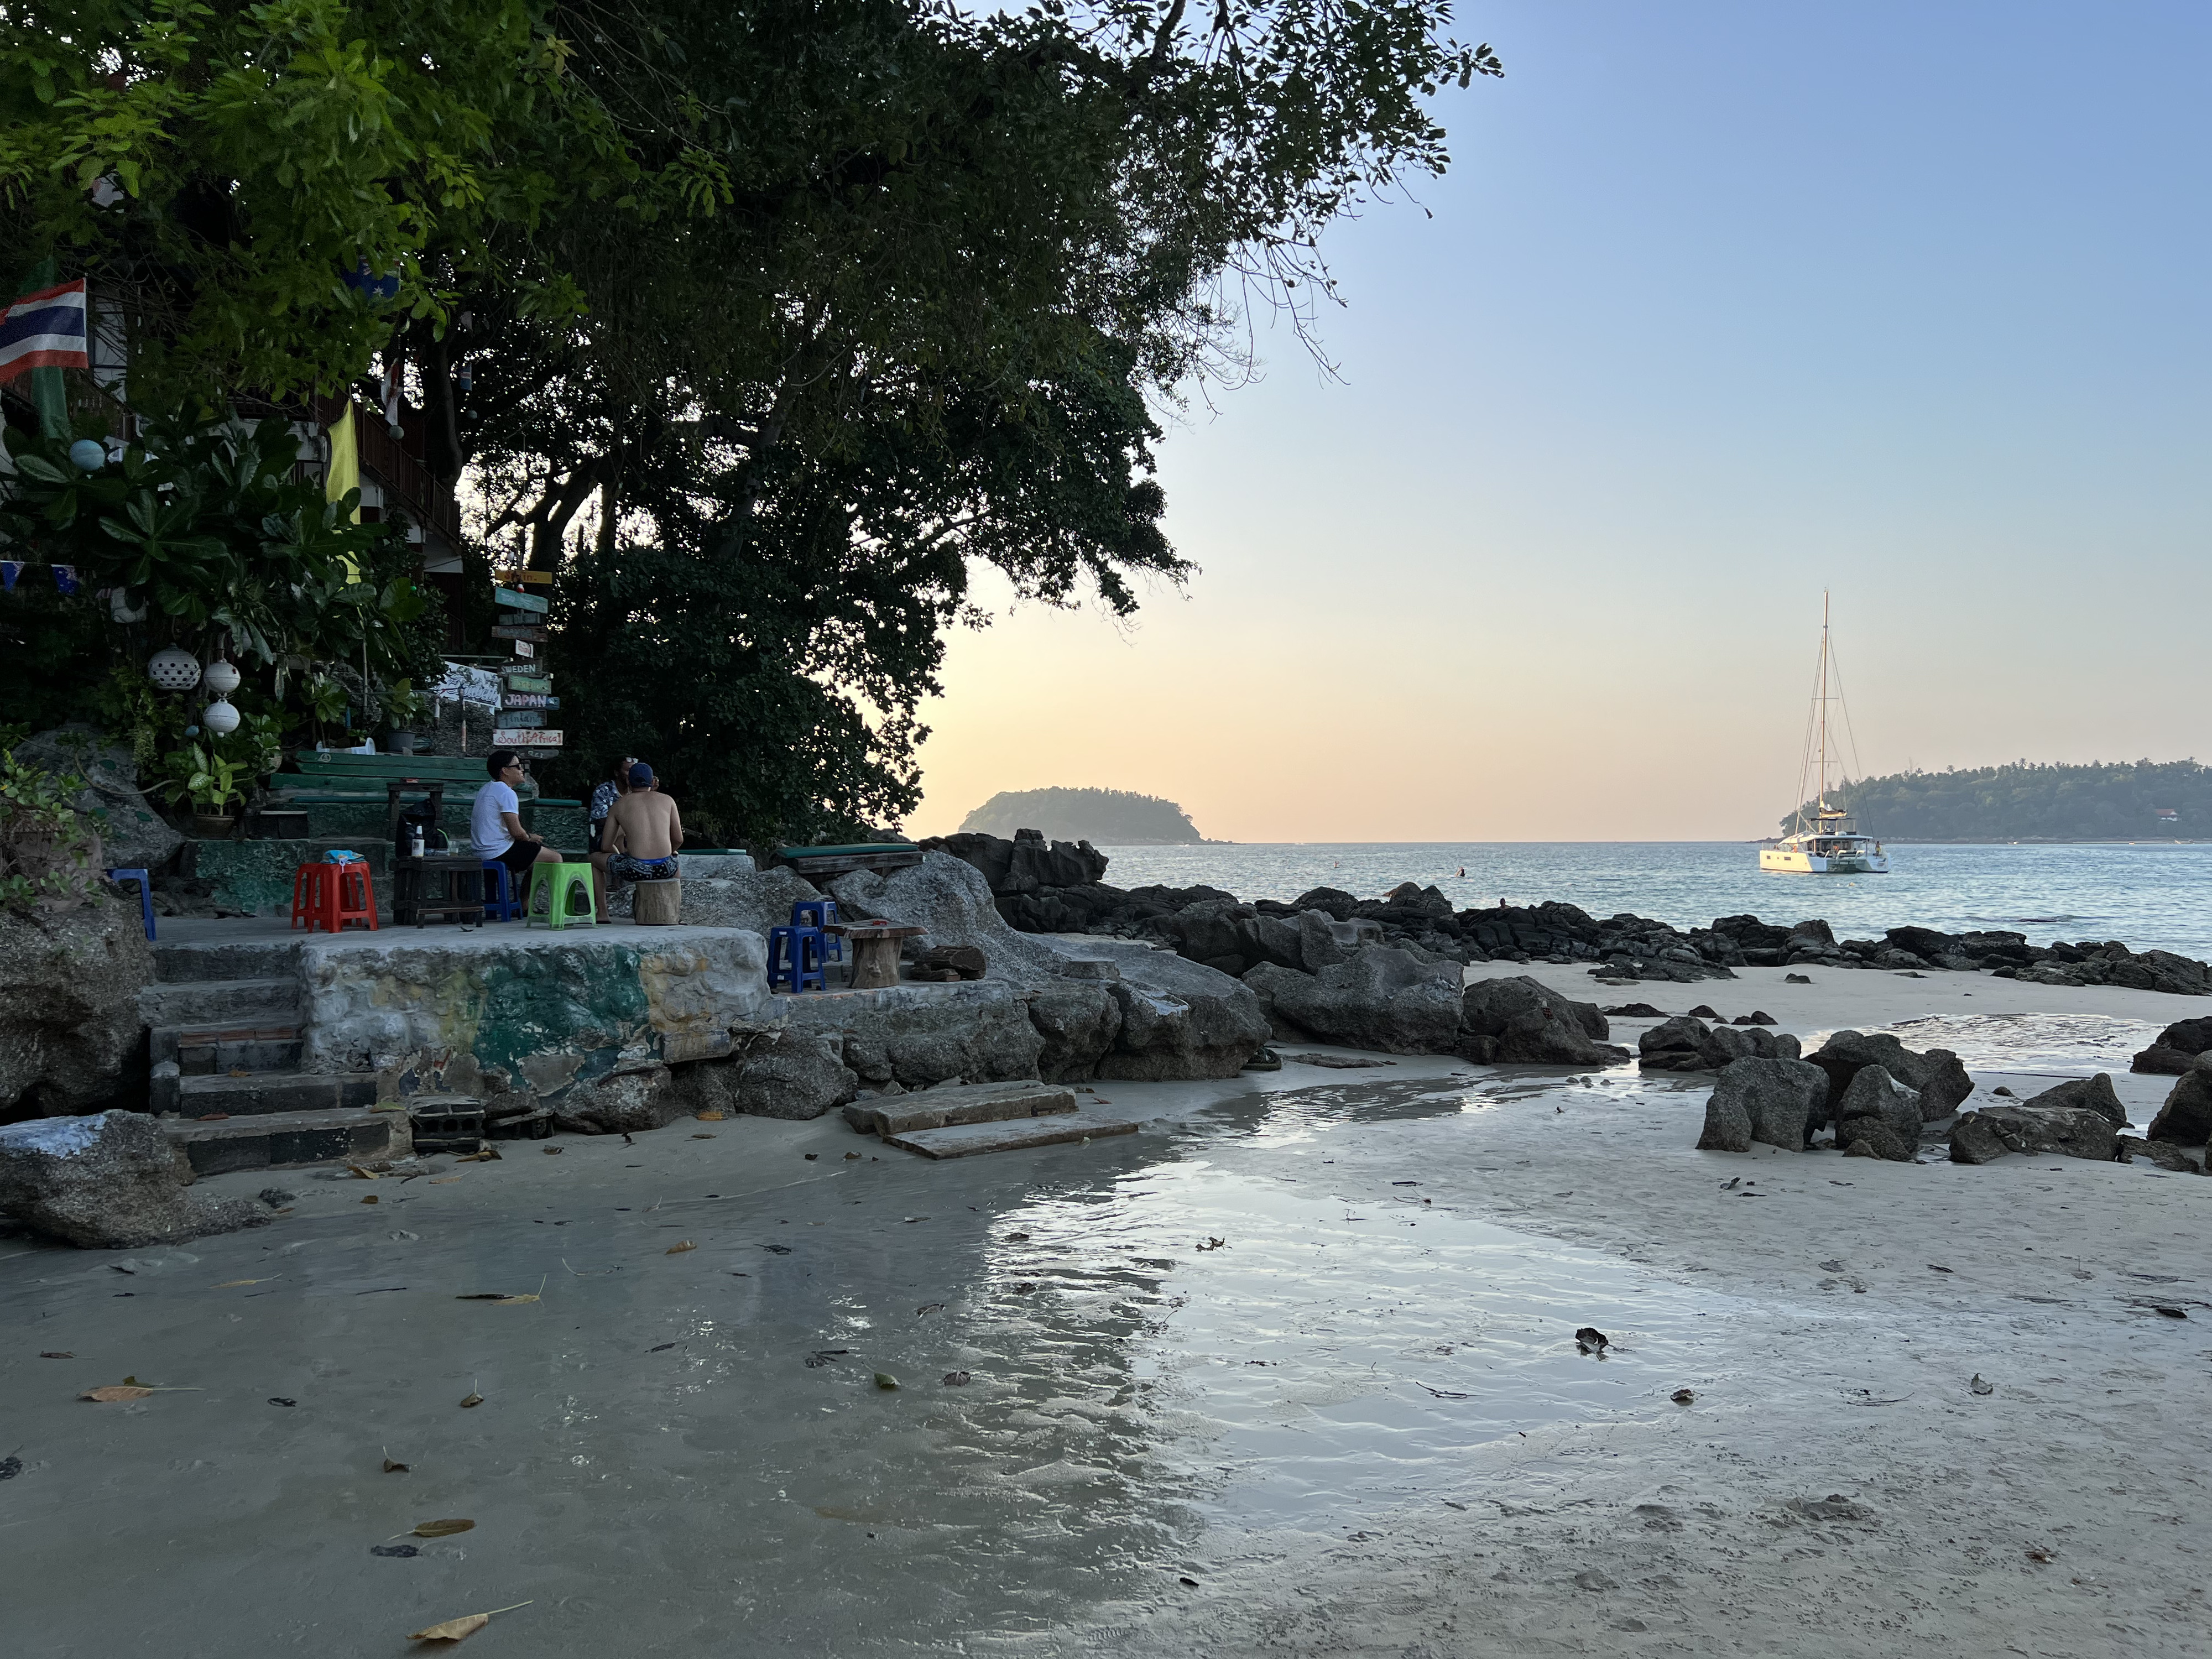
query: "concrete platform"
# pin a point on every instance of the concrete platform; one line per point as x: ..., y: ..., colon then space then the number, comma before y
x: 965, y: 1139
x: 981, y: 1103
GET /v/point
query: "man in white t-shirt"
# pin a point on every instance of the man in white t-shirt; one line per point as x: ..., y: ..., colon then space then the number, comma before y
x: 495, y: 829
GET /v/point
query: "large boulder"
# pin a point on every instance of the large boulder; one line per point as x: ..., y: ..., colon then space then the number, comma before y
x: 1379, y: 998
x: 1938, y: 1074
x: 1522, y: 1021
x: 754, y: 901
x: 2095, y: 1094
x: 630, y: 1098
x: 70, y: 1036
x: 978, y: 1031
x: 1880, y: 1112
x: 1027, y: 863
x: 785, y: 1074
x: 1685, y: 1043
x: 2186, y: 1118
x: 1229, y: 936
x: 1769, y: 1100
x: 1180, y: 1020
x: 132, y: 835
x: 952, y: 899
x: 107, y: 1181
x: 2060, y: 1131
x: 2178, y: 1045
x: 1077, y: 1020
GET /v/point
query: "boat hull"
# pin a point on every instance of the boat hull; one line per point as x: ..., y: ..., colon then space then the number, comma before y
x: 1794, y: 861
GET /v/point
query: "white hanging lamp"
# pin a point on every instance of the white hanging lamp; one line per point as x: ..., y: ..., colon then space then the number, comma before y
x: 173, y: 669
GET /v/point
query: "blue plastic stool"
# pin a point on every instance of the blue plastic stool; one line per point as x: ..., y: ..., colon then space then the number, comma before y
x: 499, y: 880
x: 818, y: 914
x: 794, y: 956
x: 145, y: 893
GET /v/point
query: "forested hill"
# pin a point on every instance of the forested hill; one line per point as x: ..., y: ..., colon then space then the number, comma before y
x: 2024, y: 802
x: 1106, y: 817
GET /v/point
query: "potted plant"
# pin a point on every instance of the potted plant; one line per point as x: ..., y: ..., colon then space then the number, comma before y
x: 402, y: 706
x: 197, y: 775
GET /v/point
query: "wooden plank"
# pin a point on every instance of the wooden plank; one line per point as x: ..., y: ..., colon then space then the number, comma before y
x: 536, y: 632
x: 527, y: 700
x: 514, y: 601
x: 981, y: 1103
x: 965, y: 1139
x: 538, y: 578
x: 512, y: 718
x: 526, y: 679
x: 519, y: 737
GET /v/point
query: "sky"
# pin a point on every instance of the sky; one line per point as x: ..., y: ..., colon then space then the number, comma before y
x: 1720, y: 306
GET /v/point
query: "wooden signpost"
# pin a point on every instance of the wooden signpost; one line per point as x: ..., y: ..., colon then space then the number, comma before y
x: 526, y: 690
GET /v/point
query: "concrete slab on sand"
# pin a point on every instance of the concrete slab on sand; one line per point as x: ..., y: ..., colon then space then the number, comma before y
x: 979, y: 1102
x: 963, y: 1139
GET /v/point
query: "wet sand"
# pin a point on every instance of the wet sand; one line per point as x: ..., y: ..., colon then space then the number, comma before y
x: 1359, y: 1424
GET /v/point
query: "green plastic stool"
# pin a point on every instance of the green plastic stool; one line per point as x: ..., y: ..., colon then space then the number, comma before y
x: 564, y: 878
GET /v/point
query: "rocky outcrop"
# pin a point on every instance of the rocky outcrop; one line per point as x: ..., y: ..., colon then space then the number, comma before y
x: 1379, y: 998
x: 1027, y: 864
x: 2095, y: 1094
x: 628, y: 1099
x: 70, y: 1036
x: 1763, y: 1099
x: 107, y: 1181
x: 756, y: 901
x: 132, y: 835
x: 1077, y: 1020
x: 2186, y: 1118
x: 793, y: 1075
x: 1180, y: 1020
x: 1938, y: 1076
x: 1519, y: 1021
x: 2176, y: 1049
x: 1879, y: 1116
x: 1685, y: 1043
x: 1979, y: 1137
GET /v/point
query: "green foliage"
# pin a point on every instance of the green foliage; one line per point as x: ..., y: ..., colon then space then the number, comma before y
x: 46, y: 846
x: 2031, y: 802
x: 133, y: 712
x: 1109, y: 817
x: 201, y: 775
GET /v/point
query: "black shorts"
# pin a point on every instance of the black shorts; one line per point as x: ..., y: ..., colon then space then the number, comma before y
x: 518, y: 857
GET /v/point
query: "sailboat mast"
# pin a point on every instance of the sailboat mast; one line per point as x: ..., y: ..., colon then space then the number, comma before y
x: 1824, y: 701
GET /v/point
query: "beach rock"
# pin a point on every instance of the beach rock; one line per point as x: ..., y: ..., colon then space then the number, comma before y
x: 2095, y: 1094
x: 70, y: 1036
x: 960, y: 961
x: 1181, y: 1019
x: 1026, y: 864
x: 1770, y: 1100
x: 630, y: 1098
x: 2177, y: 1046
x: 2165, y: 1154
x: 1874, y: 1096
x: 2186, y: 1118
x: 1872, y: 1138
x: 756, y: 902
x: 132, y: 835
x: 2162, y: 970
x: 1381, y: 999
x: 106, y: 1181
x: 1520, y: 1021
x: 1938, y: 1076
x: 1635, y: 1011
x: 2064, y: 1131
x: 787, y: 1075
x: 1077, y: 1021
x: 1329, y: 901
x: 1685, y: 1043
x: 1229, y: 936
x: 950, y: 898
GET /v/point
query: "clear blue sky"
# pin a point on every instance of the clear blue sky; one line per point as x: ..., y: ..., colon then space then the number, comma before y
x: 1721, y: 304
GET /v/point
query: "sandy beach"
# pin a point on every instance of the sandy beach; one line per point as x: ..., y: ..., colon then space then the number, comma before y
x: 1292, y: 1371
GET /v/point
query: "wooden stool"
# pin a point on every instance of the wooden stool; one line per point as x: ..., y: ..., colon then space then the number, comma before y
x: 657, y: 903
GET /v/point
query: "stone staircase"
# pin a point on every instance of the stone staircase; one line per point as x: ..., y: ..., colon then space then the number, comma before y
x: 224, y: 1023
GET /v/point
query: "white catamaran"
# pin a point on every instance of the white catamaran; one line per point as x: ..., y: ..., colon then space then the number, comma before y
x: 1823, y: 841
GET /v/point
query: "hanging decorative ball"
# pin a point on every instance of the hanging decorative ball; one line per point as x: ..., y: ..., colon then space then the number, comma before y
x: 220, y: 677
x: 174, y: 669
x: 88, y: 455
x: 219, y: 717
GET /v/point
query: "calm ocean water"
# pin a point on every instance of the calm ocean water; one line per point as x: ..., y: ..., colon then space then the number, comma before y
x: 2146, y: 894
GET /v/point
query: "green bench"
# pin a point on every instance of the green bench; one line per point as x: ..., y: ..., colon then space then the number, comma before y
x: 360, y: 793
x: 882, y: 857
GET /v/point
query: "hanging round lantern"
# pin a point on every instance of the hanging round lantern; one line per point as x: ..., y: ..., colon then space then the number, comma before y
x: 174, y: 669
x: 220, y: 718
x: 88, y: 455
x: 220, y: 677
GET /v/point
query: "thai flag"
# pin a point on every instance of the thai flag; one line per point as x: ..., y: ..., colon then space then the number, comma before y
x: 45, y: 329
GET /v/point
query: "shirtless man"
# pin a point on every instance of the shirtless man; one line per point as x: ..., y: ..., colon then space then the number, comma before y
x: 640, y: 841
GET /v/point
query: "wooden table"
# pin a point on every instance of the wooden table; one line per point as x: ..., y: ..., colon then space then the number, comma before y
x: 412, y: 901
x: 875, y: 946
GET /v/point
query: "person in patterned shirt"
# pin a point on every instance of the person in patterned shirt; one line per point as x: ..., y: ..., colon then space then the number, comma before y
x: 616, y: 786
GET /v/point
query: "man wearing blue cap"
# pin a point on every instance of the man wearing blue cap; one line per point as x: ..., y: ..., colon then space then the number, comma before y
x: 643, y: 831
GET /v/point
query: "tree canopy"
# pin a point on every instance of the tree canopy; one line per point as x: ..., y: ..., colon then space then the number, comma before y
x: 1107, y: 817
x: 2025, y: 801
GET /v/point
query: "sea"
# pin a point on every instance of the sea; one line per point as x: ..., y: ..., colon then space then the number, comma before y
x: 2146, y: 894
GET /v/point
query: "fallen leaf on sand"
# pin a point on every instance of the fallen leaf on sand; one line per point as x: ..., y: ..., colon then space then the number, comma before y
x: 2039, y: 1555
x: 114, y: 1391
x: 360, y: 1174
x: 370, y: 1198
x: 678, y: 1249
x: 708, y: 1117
x: 445, y: 1180
x: 702, y: 1137
x: 885, y: 1380
x: 552, y: 1150
x: 232, y: 1284
x: 929, y: 1308
x: 453, y: 1630
x: 488, y: 1155
x: 1213, y: 1244
x: 437, y: 1529
x: 474, y: 1398
x: 63, y: 1354
x: 279, y: 1399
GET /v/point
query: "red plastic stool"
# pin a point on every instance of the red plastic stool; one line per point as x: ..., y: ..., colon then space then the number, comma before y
x: 329, y: 896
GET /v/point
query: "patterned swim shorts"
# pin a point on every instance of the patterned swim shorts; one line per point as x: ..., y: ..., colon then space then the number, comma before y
x: 623, y: 867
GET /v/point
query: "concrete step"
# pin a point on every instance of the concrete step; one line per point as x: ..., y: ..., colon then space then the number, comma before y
x: 1005, y: 1135
x: 207, y: 959
x: 202, y: 1049
x: 274, y: 1140
x: 220, y: 1002
x: 259, y: 1092
x: 977, y: 1102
